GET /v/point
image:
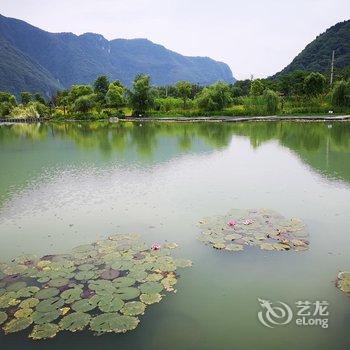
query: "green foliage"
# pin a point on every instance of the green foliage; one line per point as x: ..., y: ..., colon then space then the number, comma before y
x: 184, y: 90
x: 77, y: 91
x: 39, y: 98
x: 115, y: 95
x: 215, y: 97
x: 341, y: 94
x: 272, y: 101
x: 7, y: 97
x: 257, y: 87
x: 314, y: 84
x: 101, y: 86
x: 84, y: 104
x: 141, y: 97
x: 26, y: 97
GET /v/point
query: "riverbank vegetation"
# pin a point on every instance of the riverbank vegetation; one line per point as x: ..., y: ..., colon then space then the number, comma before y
x: 296, y: 93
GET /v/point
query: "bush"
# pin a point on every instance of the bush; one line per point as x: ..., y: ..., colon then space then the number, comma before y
x: 272, y: 101
x: 341, y: 94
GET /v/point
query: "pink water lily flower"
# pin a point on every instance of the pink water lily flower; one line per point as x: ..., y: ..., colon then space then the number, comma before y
x: 155, y: 246
x: 231, y: 223
x: 247, y: 222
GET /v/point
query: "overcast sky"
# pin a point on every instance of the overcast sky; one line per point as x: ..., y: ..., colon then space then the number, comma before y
x: 257, y: 37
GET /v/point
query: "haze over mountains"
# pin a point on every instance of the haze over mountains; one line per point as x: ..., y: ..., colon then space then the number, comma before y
x: 34, y: 60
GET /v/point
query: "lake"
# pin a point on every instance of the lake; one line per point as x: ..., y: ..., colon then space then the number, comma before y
x: 67, y: 184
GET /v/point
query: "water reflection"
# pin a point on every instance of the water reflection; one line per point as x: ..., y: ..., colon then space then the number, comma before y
x: 325, y: 147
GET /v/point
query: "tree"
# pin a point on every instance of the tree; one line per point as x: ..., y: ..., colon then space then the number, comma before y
x: 39, y: 98
x: 257, y: 87
x: 272, y: 101
x: 215, y: 97
x: 141, y: 97
x: 314, y: 84
x: 101, y: 86
x: 84, y: 103
x: 26, y: 97
x: 341, y: 94
x: 115, y: 95
x: 77, y: 91
x: 184, y: 90
x: 7, y: 97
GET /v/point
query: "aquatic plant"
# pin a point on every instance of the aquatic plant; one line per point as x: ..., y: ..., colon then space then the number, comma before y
x: 264, y: 228
x: 104, y: 287
x: 343, y: 282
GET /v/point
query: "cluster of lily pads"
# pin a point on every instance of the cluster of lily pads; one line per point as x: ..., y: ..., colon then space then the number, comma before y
x: 343, y: 282
x: 102, y: 286
x: 264, y: 228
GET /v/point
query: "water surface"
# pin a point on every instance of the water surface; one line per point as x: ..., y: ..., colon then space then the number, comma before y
x: 66, y: 184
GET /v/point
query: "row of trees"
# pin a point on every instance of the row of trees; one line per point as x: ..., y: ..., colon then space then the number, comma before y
x: 106, y: 98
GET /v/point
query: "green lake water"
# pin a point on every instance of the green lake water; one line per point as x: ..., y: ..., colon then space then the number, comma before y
x: 62, y: 185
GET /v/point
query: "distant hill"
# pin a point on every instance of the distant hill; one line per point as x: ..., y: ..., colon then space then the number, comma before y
x: 317, y: 55
x: 32, y: 59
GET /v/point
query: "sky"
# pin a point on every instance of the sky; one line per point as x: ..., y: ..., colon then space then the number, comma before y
x: 254, y: 37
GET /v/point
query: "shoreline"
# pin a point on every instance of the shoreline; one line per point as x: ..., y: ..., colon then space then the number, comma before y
x: 220, y: 119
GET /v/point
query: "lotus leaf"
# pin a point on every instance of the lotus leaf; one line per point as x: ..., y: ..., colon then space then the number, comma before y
x: 72, y: 295
x: 45, y: 317
x: 343, y: 282
x: 150, y: 299
x: 264, y: 228
x: 85, y: 275
x: 111, y: 322
x: 234, y: 247
x: 112, y: 304
x: 74, y: 322
x: 133, y: 308
x: 182, y: 263
x: 58, y: 282
x: 27, y: 292
x: 3, y: 317
x: 138, y: 275
x: 154, y: 277
x: 47, y: 293
x: 8, y: 299
x: 29, y: 303
x: 151, y: 287
x: 17, y: 325
x: 86, y: 267
x: 169, y: 245
x: 168, y: 282
x: 50, y: 304
x: 20, y: 313
x: 15, y: 287
x: 128, y: 293
x: 44, y: 331
x: 84, y: 305
x: 124, y: 282
x: 110, y: 274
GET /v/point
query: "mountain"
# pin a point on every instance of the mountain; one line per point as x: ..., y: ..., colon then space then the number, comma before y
x: 318, y: 54
x: 35, y: 60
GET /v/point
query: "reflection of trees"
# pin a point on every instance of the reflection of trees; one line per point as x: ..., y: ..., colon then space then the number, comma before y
x: 324, y: 148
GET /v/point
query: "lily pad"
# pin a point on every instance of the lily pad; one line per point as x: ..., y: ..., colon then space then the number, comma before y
x: 343, y: 282
x: 151, y: 287
x: 71, y: 295
x: 133, y: 308
x: 128, y: 293
x: 29, y: 303
x: 50, y: 304
x: 45, y: 317
x: 113, y: 323
x: 74, y: 322
x: 124, y: 282
x: 85, y: 275
x: 110, y: 304
x: 3, y: 317
x: 110, y: 274
x: 262, y: 228
x: 150, y: 299
x: 20, y: 313
x: 44, y: 331
x: 27, y: 292
x: 47, y: 293
x: 58, y: 282
x: 17, y: 325
x: 84, y: 305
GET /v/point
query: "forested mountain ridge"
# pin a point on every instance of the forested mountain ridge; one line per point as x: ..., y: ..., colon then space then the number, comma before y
x: 317, y: 56
x: 46, y: 61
